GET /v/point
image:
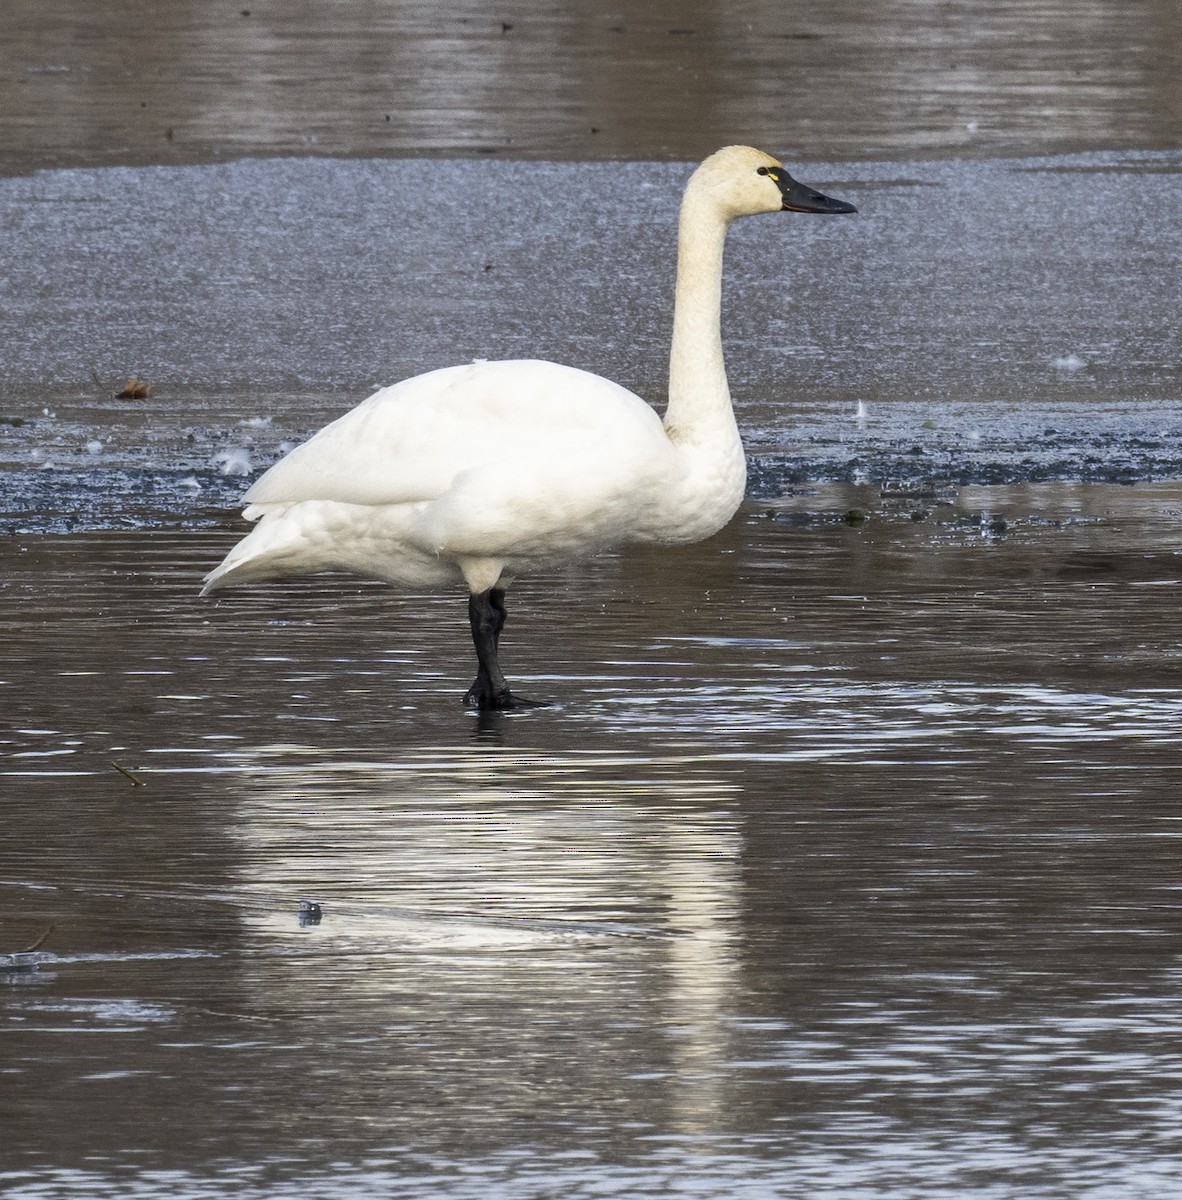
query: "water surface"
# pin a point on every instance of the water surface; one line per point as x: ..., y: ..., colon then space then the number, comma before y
x: 843, y: 863
x: 559, y: 79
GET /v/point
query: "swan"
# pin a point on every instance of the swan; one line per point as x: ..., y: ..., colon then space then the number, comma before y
x: 474, y: 474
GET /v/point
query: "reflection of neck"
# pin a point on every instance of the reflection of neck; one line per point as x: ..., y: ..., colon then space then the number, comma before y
x: 699, y: 400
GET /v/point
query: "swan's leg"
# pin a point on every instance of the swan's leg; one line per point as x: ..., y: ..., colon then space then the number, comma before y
x: 486, y: 613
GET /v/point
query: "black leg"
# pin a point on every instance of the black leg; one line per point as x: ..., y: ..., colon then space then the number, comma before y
x: 490, y: 689
x: 496, y: 601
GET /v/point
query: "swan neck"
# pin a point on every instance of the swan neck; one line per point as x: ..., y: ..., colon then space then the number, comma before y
x: 697, y: 374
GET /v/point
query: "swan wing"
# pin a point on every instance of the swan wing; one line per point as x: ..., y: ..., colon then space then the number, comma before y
x: 518, y: 419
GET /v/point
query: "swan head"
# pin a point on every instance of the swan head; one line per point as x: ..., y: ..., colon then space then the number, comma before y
x: 743, y: 181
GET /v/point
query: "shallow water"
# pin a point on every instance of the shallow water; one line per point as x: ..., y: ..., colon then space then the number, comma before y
x: 843, y: 863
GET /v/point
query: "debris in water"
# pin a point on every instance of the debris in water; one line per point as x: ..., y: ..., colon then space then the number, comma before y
x: 135, y: 781
x: 39, y: 942
x: 27, y: 959
x: 134, y: 389
x: 310, y: 912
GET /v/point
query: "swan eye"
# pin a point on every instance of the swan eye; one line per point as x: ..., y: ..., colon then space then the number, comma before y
x: 769, y: 173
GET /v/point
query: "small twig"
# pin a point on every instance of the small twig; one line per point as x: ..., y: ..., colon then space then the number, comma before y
x: 234, y: 1016
x: 135, y: 782
x: 39, y: 942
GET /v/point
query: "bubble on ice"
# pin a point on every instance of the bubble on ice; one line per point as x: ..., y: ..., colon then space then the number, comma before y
x: 233, y: 461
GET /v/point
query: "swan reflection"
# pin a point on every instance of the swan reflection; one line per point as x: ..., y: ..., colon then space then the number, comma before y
x: 505, y: 922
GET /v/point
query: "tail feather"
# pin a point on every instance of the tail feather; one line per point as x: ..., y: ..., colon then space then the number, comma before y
x: 273, y: 548
x: 374, y: 541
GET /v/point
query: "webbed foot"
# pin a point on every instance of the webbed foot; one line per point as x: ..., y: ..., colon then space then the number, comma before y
x: 485, y: 699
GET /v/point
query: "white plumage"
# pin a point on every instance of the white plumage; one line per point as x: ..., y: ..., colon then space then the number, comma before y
x: 477, y: 473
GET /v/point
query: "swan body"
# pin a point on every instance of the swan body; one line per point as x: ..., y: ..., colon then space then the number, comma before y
x: 475, y: 474
x: 521, y: 463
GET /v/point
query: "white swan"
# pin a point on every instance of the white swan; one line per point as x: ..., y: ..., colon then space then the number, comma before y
x: 478, y: 473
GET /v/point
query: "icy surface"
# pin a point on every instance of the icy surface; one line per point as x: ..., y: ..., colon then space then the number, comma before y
x: 978, y: 321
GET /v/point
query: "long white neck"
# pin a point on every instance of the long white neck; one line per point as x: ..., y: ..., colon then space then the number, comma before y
x: 699, y: 409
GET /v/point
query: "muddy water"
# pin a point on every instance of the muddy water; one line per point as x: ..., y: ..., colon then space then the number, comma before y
x: 843, y: 864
